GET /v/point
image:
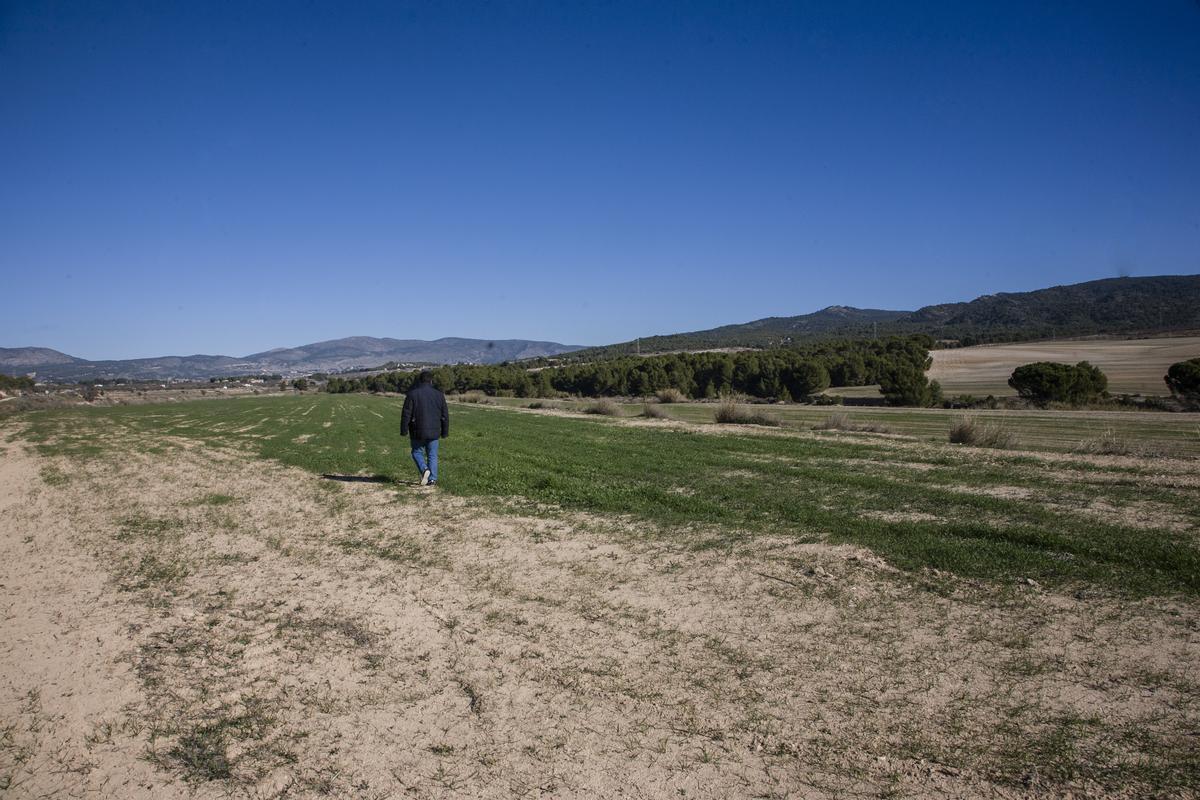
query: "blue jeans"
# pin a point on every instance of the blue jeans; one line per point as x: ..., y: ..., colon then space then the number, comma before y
x: 420, y: 449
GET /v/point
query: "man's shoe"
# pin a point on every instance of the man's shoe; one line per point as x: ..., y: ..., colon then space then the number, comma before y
x: 425, y: 477
x: 433, y: 483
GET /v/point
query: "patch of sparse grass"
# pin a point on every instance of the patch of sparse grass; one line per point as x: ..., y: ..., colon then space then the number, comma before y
x: 53, y: 476
x: 296, y: 623
x: 214, y: 499
x: 975, y: 433
x: 840, y: 421
x: 399, y: 548
x: 154, y: 572
x: 144, y: 527
x: 201, y: 752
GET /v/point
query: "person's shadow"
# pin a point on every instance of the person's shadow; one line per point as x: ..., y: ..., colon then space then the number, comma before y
x: 358, y: 478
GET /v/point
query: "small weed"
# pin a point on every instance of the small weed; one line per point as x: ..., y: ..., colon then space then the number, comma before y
x: 474, y: 698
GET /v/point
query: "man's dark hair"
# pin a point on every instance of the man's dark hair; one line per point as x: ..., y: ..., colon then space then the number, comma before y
x: 426, y: 376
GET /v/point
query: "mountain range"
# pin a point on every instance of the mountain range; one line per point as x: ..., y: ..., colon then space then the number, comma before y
x: 354, y: 352
x: 1113, y: 306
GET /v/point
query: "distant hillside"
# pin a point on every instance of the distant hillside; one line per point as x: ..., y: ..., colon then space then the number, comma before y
x: 19, y: 358
x: 1113, y: 306
x: 768, y: 332
x: 1110, y: 306
x: 338, y: 354
x: 359, y: 351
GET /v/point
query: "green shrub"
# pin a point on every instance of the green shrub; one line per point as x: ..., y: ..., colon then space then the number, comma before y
x: 1183, y: 379
x: 906, y: 385
x: 805, y: 379
x: 19, y: 382
x: 1044, y: 382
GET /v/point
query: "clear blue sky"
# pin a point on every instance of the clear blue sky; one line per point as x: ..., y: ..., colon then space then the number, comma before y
x: 229, y: 177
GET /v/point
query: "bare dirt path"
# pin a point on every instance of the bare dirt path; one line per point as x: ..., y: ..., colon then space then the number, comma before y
x: 62, y: 642
x: 200, y: 623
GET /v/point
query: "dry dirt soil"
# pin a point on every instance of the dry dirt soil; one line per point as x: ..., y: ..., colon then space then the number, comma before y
x: 199, y: 623
x: 1133, y: 366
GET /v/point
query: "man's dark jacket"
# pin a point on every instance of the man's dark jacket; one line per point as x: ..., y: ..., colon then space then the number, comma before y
x: 425, y: 415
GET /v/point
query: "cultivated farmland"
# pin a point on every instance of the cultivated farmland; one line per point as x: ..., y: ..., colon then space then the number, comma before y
x: 249, y: 597
x: 1133, y: 366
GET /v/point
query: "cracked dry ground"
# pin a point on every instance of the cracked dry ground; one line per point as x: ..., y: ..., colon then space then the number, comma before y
x: 198, y: 623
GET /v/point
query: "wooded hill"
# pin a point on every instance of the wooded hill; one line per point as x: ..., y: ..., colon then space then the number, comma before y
x: 1114, y: 306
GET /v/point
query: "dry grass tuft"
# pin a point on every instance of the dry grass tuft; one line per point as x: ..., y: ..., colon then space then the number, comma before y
x: 670, y: 395
x: 474, y: 397
x: 970, y: 431
x: 606, y: 408
x: 654, y: 412
x: 1108, y: 443
x: 730, y: 413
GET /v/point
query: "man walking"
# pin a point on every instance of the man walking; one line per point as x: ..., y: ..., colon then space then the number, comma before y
x: 425, y: 419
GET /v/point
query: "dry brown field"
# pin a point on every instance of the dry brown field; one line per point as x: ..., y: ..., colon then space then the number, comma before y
x: 1133, y: 366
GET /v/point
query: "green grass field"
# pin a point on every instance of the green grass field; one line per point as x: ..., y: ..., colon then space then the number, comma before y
x: 991, y: 515
x: 1056, y: 431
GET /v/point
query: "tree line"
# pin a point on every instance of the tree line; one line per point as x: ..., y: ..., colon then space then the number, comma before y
x: 897, y: 363
x: 15, y: 382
